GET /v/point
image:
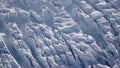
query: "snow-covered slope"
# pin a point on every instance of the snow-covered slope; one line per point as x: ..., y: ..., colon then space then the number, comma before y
x: 59, y: 33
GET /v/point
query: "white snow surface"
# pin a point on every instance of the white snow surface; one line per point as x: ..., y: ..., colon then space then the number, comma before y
x: 59, y: 33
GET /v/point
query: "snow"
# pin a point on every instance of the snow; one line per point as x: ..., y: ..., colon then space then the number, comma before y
x: 59, y: 34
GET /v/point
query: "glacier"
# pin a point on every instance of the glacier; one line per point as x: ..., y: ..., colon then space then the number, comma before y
x: 59, y: 33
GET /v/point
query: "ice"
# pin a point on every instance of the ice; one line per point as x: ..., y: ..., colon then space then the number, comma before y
x: 59, y: 34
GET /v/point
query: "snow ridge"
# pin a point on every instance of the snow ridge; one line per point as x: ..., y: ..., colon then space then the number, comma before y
x: 59, y: 34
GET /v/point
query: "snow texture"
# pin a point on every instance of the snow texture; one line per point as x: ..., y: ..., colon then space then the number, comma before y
x: 59, y: 33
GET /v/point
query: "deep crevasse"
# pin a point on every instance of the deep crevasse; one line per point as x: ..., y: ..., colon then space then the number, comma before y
x: 59, y: 34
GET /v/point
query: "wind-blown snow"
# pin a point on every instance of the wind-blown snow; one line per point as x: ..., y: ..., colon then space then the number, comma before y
x: 59, y: 34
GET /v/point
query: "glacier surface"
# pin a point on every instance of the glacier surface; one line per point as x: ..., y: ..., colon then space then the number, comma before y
x: 59, y: 33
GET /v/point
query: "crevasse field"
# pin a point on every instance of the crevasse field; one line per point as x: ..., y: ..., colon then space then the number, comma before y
x: 59, y: 33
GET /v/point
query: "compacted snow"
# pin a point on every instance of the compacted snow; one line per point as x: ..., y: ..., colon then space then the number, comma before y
x: 59, y: 33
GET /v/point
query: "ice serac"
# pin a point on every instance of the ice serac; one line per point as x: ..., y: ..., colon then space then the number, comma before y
x: 59, y: 34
